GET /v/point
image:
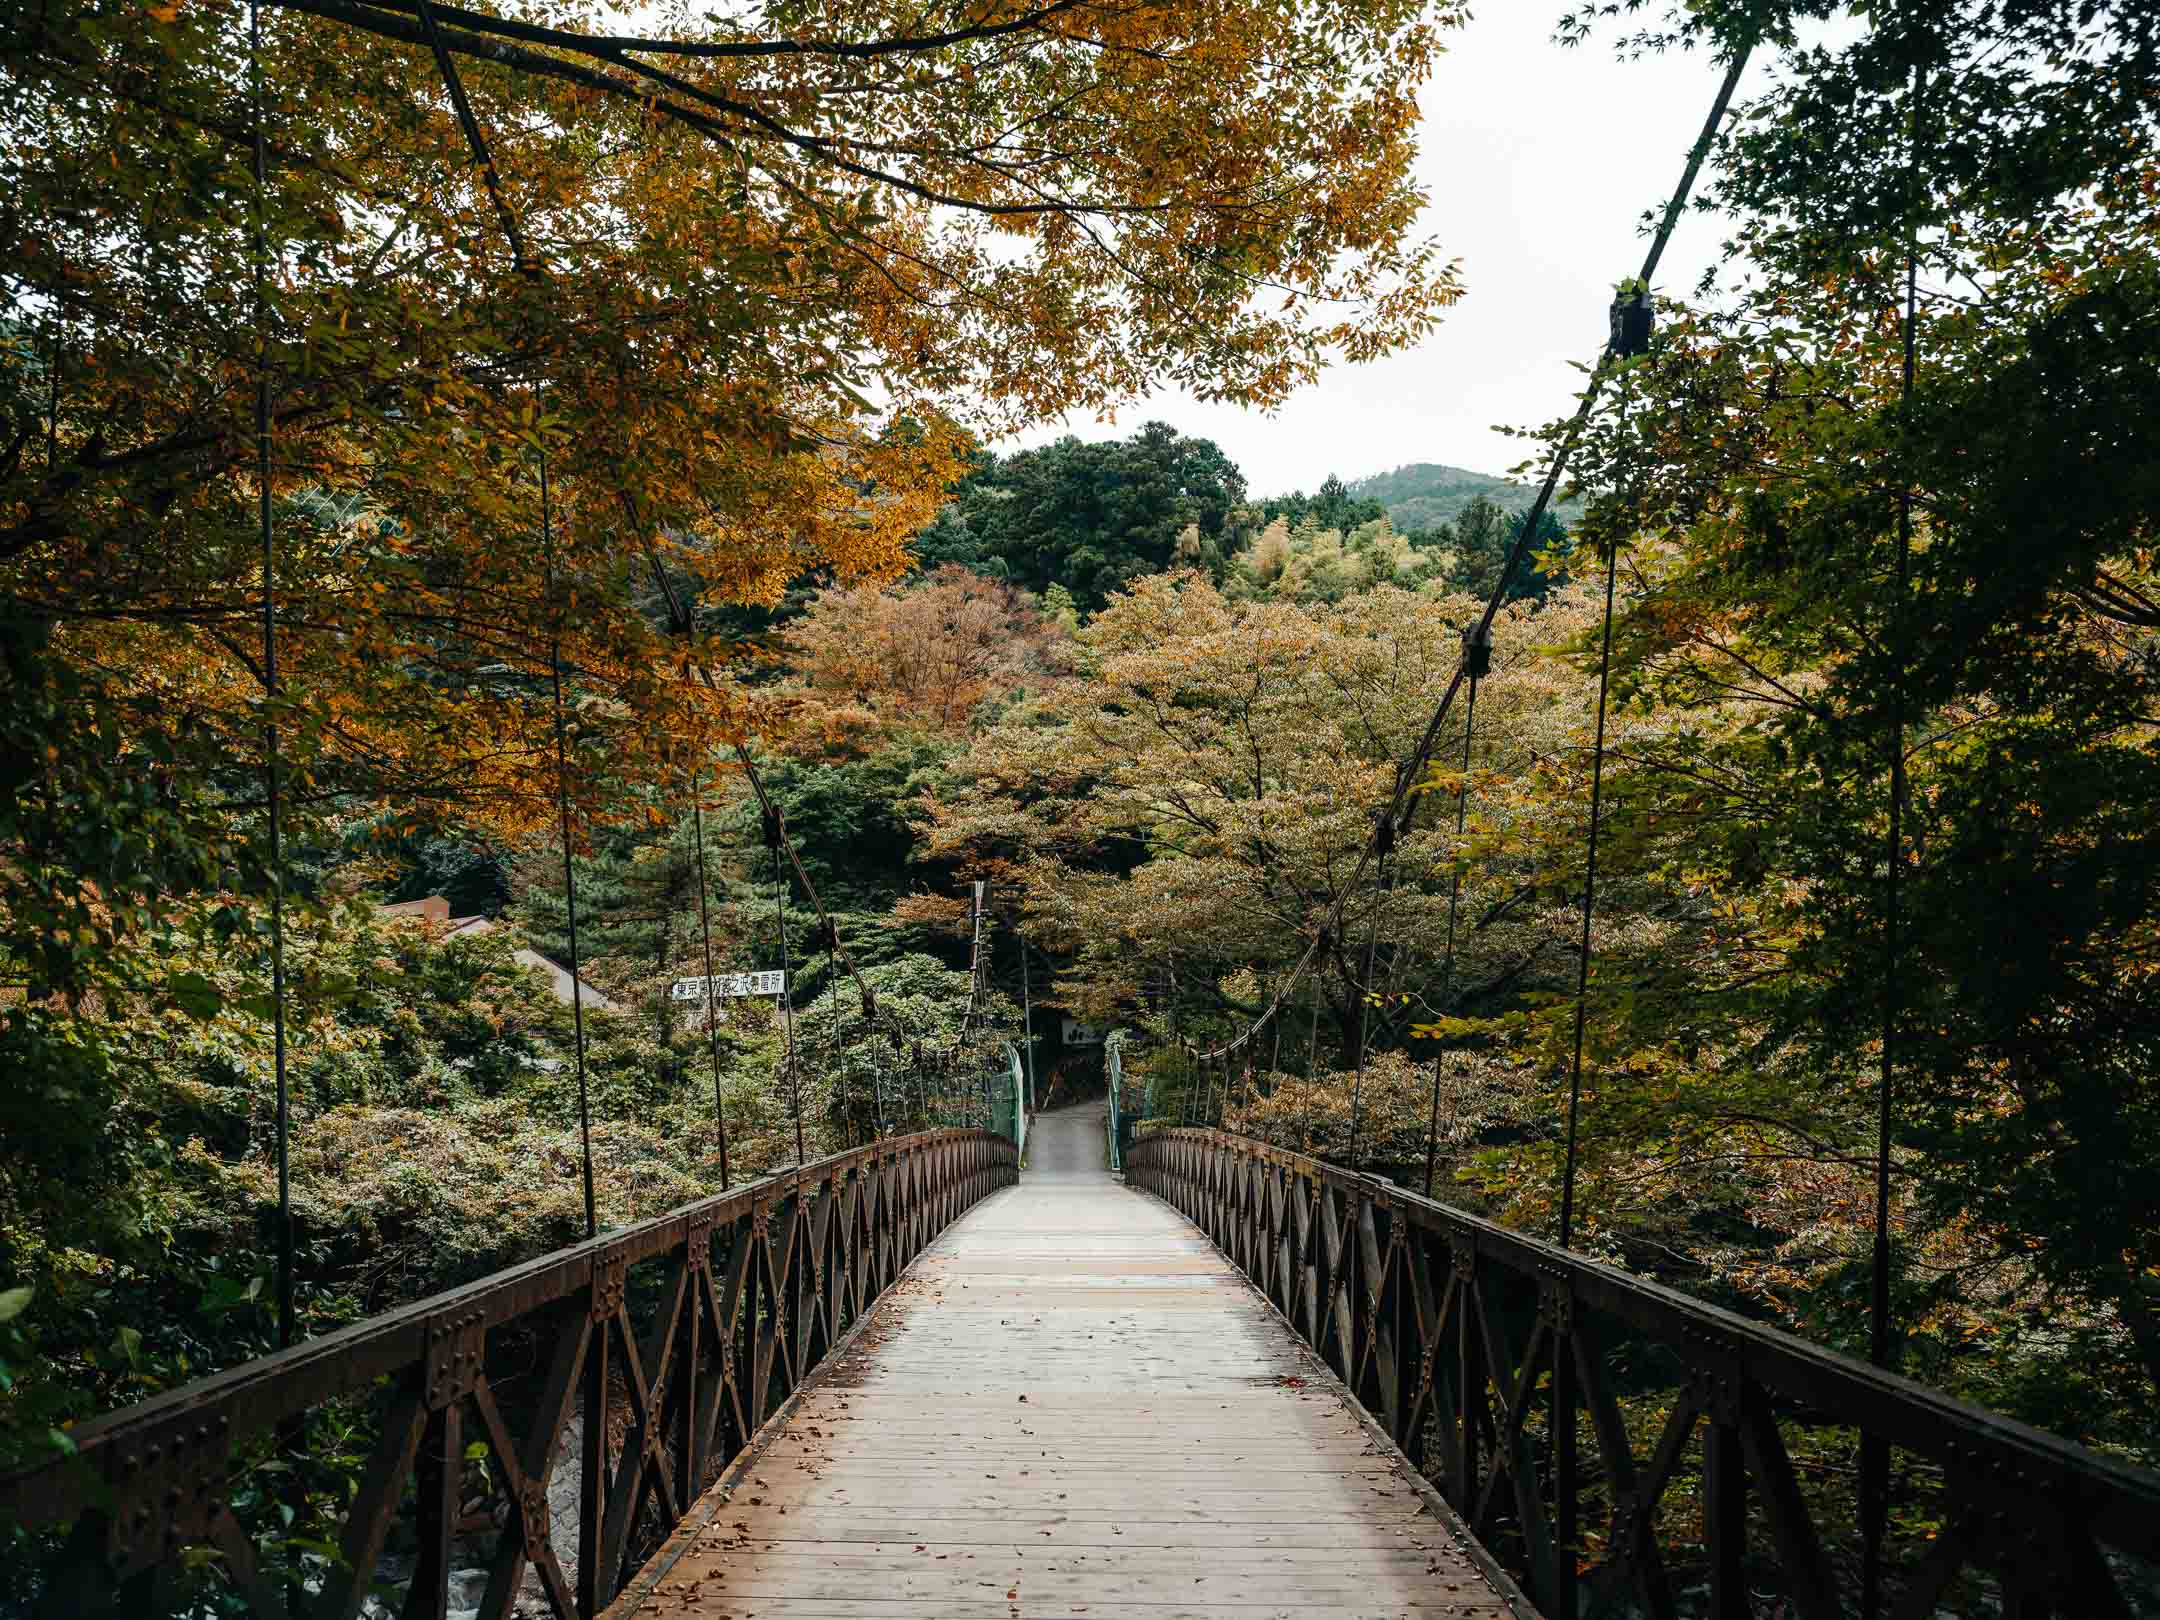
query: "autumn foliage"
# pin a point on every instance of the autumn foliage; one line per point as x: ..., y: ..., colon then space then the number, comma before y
x: 558, y: 400
x: 557, y: 408
x: 923, y: 654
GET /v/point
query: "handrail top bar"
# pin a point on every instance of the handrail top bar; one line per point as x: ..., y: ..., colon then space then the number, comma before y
x: 219, y: 1408
x: 1843, y: 1389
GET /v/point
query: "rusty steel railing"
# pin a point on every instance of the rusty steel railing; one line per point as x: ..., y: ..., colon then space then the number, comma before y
x: 1556, y: 1402
x: 667, y: 1344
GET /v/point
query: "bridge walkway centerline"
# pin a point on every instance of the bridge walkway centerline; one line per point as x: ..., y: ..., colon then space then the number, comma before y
x: 1073, y: 1404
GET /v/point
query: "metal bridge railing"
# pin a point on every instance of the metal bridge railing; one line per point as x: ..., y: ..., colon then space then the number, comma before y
x: 1114, y: 1071
x: 1557, y: 1404
x: 1011, y: 1117
x: 665, y: 1345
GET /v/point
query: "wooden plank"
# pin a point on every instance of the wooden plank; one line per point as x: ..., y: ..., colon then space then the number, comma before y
x: 672, y: 1599
x: 1074, y: 1405
x: 844, y: 1530
x: 904, y: 1556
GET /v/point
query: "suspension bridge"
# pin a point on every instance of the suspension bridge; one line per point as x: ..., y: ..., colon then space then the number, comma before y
x: 950, y: 1372
x: 918, y: 1379
x: 1072, y: 1405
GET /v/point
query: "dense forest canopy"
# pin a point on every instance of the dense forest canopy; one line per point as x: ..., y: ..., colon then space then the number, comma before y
x: 1089, y: 518
x: 1869, y: 569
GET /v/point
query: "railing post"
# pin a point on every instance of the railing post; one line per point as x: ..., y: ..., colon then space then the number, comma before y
x: 441, y: 1467
x: 1272, y: 1233
x: 1725, y: 1514
x: 684, y: 1386
x: 1560, y: 1306
x: 593, y: 1449
x: 1409, y: 1279
x: 1469, y: 1379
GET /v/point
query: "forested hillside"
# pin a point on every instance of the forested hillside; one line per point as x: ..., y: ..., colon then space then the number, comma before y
x: 1425, y: 495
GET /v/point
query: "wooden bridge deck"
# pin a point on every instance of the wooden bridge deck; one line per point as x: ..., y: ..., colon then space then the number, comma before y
x: 1073, y: 1405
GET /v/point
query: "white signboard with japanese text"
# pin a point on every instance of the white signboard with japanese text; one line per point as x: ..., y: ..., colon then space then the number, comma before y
x: 726, y: 985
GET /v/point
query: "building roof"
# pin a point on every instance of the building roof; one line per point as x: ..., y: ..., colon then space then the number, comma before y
x: 435, y: 909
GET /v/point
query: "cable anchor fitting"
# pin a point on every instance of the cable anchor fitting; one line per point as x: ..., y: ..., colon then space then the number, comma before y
x: 1477, y: 651
x: 1634, y: 315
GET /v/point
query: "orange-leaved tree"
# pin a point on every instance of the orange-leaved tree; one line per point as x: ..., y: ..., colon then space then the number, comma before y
x: 721, y: 309
x: 921, y: 655
x: 568, y: 338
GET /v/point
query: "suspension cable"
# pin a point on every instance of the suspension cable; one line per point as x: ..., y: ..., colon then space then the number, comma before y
x: 877, y: 1083
x: 1412, y: 770
x: 271, y: 760
x: 712, y: 1014
x: 1275, y: 1063
x: 524, y: 264
x: 569, y: 861
x: 1027, y: 1017
x: 1413, y: 767
x: 787, y: 988
x: 1366, y: 995
x: 1589, y: 903
x: 832, y: 994
x: 476, y: 139
x: 1480, y: 664
x: 1462, y: 812
x: 767, y: 808
x: 776, y: 824
x: 1882, y: 1347
x: 976, y: 897
x: 777, y: 838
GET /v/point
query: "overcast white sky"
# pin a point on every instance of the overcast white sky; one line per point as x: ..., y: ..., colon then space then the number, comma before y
x: 1539, y: 162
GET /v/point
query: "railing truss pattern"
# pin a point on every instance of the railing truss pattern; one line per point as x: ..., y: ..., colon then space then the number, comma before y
x: 670, y: 1341
x: 1555, y: 1402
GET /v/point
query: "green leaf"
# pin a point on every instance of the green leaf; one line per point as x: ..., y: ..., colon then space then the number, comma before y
x: 14, y: 1301
x: 197, y: 996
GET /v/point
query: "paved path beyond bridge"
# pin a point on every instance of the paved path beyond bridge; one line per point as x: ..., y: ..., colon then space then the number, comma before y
x: 1071, y: 1406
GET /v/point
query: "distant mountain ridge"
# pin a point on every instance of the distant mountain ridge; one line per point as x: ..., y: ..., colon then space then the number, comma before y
x: 1426, y: 494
